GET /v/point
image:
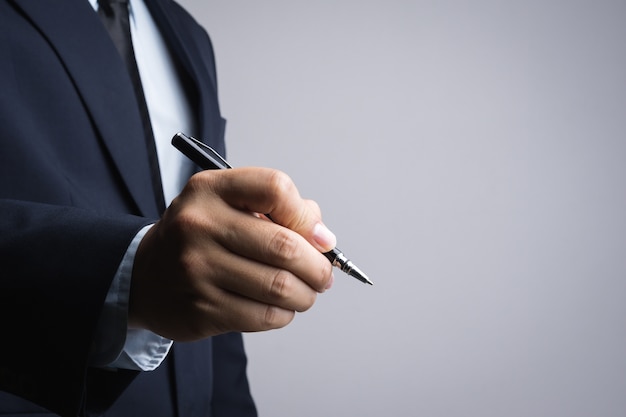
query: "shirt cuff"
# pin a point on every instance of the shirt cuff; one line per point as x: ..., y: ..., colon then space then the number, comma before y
x: 115, y: 345
x: 143, y: 351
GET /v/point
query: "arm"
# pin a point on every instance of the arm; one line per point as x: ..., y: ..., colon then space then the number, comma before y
x: 58, y: 263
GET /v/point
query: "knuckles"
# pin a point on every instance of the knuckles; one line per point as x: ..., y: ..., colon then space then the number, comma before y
x: 280, y: 286
x: 284, y: 246
x: 279, y: 184
x: 284, y: 290
x: 275, y: 318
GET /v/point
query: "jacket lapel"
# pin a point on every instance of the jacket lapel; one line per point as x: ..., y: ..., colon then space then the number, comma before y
x: 198, y: 67
x: 81, y: 42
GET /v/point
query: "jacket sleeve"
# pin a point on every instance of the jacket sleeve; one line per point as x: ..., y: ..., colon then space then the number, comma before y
x: 57, y: 265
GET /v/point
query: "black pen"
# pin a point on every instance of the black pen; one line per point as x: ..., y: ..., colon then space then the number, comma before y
x: 206, y: 158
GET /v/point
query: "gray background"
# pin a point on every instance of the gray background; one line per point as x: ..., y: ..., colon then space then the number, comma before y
x: 470, y: 156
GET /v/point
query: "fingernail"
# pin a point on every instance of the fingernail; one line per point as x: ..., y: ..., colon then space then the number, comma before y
x: 324, y: 237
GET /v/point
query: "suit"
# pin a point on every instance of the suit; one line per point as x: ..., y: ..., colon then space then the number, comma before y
x: 75, y: 188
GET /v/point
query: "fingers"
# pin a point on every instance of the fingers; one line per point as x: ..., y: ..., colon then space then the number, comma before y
x: 261, y: 282
x: 269, y: 244
x: 251, y: 296
x: 245, y: 315
x: 227, y: 221
x: 190, y: 288
x: 224, y: 311
x: 272, y: 192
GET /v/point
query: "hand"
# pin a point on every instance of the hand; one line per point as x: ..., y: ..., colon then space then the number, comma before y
x: 212, y: 265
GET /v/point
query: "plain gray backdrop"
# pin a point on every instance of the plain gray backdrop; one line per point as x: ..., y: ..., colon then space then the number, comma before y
x: 471, y: 158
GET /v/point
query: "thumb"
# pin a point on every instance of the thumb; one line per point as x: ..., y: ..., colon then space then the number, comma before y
x: 272, y: 192
x: 303, y: 217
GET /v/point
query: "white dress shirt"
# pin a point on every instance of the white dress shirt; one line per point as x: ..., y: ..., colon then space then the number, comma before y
x: 115, y: 344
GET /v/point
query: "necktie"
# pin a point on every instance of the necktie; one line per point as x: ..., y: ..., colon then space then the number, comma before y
x: 114, y: 16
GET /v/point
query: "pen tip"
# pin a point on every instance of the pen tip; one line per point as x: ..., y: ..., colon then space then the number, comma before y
x: 358, y: 274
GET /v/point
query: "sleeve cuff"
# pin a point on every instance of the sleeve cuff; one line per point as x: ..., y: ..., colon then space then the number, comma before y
x: 143, y: 351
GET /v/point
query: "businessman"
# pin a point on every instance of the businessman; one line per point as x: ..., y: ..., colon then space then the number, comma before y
x: 125, y: 281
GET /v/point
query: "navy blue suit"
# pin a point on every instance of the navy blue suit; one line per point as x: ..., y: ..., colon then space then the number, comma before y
x: 74, y: 189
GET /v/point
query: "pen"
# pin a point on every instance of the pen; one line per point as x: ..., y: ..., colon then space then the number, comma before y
x: 206, y: 158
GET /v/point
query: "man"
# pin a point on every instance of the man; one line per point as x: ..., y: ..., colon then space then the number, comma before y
x: 97, y: 280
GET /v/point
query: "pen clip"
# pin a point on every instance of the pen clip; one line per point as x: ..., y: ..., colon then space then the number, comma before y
x: 200, y: 153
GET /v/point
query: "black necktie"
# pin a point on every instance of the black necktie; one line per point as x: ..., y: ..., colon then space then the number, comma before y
x: 114, y: 15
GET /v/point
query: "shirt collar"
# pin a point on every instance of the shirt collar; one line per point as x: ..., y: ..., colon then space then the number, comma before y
x: 94, y: 4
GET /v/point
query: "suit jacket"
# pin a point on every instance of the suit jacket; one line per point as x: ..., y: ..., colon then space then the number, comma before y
x: 74, y: 189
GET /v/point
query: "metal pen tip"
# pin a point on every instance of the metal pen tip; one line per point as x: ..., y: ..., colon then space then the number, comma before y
x: 338, y: 259
x: 360, y: 275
